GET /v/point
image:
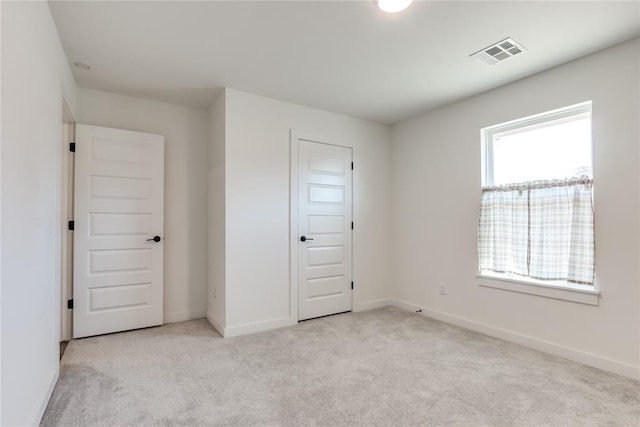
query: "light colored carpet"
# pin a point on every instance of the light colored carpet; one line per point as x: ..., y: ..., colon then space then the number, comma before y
x: 381, y: 367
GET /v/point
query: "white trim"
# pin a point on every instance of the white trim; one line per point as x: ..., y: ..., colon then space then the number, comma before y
x: 37, y: 417
x: 62, y: 313
x: 590, y: 359
x: 66, y: 246
x: 404, y: 305
x: 65, y: 287
x: 293, y: 224
x: 566, y: 291
x: 217, y: 325
x: 183, y: 316
x: 546, y: 116
x: 1, y: 210
x: 261, y: 326
x: 371, y: 305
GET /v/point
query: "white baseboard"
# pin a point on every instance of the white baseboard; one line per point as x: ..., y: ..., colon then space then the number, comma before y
x: 370, y: 305
x: 596, y: 361
x: 250, y: 328
x: 183, y: 316
x: 404, y: 305
x: 217, y: 325
x: 47, y: 396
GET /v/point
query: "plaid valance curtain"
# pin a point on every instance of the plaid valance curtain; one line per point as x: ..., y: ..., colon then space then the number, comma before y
x: 541, y: 229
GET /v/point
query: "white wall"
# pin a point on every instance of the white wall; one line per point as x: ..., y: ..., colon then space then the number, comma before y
x: 217, y: 235
x: 257, y: 174
x: 436, y: 197
x: 35, y: 78
x: 186, y: 135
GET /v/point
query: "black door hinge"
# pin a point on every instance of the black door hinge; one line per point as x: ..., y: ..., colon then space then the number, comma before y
x: 351, y: 165
x: 70, y: 304
x: 72, y: 225
x: 351, y: 285
x: 352, y: 225
x: 72, y: 147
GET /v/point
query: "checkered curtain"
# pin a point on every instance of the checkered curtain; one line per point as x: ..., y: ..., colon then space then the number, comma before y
x: 541, y: 229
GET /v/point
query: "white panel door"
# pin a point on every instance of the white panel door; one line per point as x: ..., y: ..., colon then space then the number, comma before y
x: 324, y: 229
x: 118, y: 253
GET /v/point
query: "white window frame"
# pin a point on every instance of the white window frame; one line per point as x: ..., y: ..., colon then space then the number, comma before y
x: 557, y: 290
x: 556, y: 116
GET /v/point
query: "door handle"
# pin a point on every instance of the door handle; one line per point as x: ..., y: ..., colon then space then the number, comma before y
x: 155, y: 239
x: 305, y: 238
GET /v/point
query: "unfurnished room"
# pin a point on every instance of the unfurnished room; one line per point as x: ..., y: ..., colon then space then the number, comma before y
x: 319, y: 213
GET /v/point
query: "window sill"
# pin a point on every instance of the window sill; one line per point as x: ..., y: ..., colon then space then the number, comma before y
x: 565, y: 291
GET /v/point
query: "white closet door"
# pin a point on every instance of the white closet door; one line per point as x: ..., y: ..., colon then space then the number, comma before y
x: 118, y: 247
x: 324, y: 242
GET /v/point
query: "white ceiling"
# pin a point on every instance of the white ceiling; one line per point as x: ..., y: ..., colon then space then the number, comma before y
x: 341, y: 56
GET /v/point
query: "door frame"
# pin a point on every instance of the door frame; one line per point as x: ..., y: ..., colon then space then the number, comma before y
x: 294, y: 175
x: 66, y: 214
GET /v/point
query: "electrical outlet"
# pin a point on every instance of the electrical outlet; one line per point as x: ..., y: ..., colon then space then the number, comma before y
x: 443, y: 288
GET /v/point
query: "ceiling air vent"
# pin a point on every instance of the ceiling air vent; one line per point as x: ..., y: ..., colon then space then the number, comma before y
x: 498, y: 52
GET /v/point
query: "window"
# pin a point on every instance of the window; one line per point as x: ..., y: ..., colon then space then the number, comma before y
x: 553, y: 145
x: 536, y: 221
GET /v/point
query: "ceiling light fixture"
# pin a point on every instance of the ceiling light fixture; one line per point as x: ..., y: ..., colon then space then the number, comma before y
x: 393, y: 6
x: 81, y: 65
